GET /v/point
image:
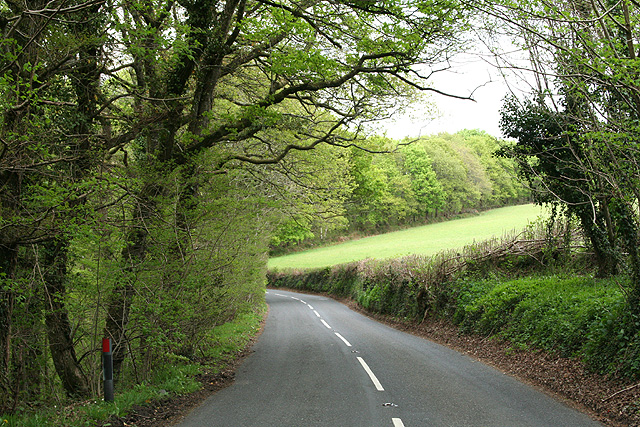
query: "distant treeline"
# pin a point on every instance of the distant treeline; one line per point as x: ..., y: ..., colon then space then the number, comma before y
x: 435, y: 176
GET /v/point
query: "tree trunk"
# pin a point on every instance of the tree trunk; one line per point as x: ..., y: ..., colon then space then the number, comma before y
x: 119, y: 305
x: 118, y: 310
x: 606, y: 259
x: 57, y: 322
x: 8, y: 256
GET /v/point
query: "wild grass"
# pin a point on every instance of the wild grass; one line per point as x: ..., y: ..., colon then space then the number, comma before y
x: 426, y: 240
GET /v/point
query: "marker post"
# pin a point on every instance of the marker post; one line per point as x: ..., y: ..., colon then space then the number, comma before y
x: 107, y: 369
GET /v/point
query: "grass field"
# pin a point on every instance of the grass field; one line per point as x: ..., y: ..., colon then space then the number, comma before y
x: 425, y: 240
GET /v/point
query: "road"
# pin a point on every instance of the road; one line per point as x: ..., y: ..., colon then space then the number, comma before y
x: 318, y: 363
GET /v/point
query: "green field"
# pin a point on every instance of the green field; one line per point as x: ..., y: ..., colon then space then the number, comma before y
x: 425, y: 240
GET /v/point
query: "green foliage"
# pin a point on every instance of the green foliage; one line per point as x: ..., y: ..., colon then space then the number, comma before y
x: 542, y: 298
x: 383, y: 287
x: 293, y: 231
x: 176, y: 376
x: 371, y: 298
x: 614, y: 344
x: 148, y: 150
x: 404, y: 287
x: 577, y: 134
x: 232, y: 337
x: 427, y: 190
x: 578, y: 317
x: 311, y: 200
x: 378, y: 196
x: 197, y: 284
x: 550, y: 152
x: 435, y: 176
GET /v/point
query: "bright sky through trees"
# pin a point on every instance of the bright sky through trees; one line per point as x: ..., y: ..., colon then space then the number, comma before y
x: 474, y: 73
x: 456, y: 114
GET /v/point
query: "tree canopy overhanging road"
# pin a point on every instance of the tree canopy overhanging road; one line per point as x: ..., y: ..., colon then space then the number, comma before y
x: 153, y: 152
x: 318, y: 363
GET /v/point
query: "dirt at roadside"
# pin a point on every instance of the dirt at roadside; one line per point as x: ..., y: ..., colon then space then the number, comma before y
x: 612, y: 402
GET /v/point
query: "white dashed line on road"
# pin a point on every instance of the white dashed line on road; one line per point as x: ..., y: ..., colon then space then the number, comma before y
x: 371, y: 374
x: 343, y: 339
x: 397, y: 422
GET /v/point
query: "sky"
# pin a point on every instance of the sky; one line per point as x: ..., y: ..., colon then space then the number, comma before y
x: 456, y: 114
x: 469, y: 75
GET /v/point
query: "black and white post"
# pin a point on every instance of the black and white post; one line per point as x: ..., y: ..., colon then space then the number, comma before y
x: 107, y: 369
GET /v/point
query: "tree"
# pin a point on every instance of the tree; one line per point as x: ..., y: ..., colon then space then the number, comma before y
x: 451, y: 173
x: 500, y: 171
x: 49, y: 89
x: 219, y: 79
x: 549, y: 159
x: 313, y: 188
x: 428, y: 192
x: 581, y: 125
x: 133, y: 110
x: 371, y: 192
x: 440, y: 174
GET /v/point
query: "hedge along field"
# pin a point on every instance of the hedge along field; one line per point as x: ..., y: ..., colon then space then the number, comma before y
x: 532, y: 290
x: 426, y: 240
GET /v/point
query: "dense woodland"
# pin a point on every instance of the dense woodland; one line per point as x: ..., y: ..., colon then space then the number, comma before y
x: 150, y: 151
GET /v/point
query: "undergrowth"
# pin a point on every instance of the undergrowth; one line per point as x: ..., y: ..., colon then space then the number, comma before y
x: 176, y: 377
x: 573, y: 316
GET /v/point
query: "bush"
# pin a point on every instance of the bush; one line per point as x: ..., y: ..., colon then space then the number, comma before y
x: 578, y: 317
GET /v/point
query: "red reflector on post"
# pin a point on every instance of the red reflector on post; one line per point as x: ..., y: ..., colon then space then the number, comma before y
x: 106, y: 345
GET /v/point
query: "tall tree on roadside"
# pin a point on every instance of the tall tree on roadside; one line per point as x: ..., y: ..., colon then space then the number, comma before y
x: 50, y: 89
x: 428, y: 192
x: 218, y: 77
x: 582, y: 124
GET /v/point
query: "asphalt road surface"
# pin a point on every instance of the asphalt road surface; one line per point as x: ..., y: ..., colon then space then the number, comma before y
x: 318, y: 363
